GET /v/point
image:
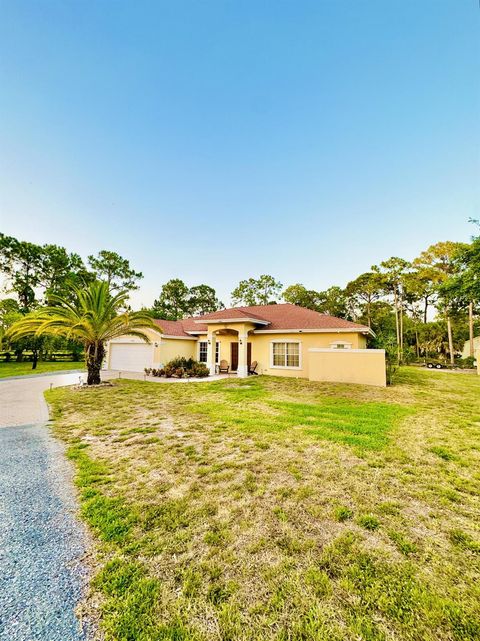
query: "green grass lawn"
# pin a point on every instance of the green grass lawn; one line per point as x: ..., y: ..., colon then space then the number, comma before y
x: 279, y: 509
x: 25, y: 369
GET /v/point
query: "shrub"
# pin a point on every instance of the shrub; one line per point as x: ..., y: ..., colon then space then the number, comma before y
x: 182, y: 367
x: 466, y: 363
x: 148, y: 371
x: 181, y: 362
x: 199, y: 370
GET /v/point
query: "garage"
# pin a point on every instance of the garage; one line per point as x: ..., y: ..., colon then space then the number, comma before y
x: 130, y: 357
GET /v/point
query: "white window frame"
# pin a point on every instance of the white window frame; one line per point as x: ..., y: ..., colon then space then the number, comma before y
x: 344, y: 344
x: 200, y: 343
x: 217, y: 351
x: 299, y: 343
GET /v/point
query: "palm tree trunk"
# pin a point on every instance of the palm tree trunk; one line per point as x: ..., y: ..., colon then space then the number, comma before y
x: 95, y: 353
x: 450, y: 340
x: 470, y: 328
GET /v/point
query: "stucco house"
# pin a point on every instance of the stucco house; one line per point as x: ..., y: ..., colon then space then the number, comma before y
x: 284, y: 339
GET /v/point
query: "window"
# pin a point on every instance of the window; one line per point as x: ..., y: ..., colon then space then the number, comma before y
x: 340, y: 345
x: 203, y: 350
x: 285, y: 354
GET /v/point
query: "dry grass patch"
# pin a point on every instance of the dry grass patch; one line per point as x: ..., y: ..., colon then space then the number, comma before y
x: 279, y: 509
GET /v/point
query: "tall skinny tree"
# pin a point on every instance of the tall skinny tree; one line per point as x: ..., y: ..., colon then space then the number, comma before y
x: 364, y: 291
x: 173, y: 302
x: 393, y: 272
x: 442, y: 258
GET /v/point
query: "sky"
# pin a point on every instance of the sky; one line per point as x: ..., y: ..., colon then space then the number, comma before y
x: 217, y: 140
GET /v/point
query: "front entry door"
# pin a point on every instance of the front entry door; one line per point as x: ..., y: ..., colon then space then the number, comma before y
x: 234, y: 356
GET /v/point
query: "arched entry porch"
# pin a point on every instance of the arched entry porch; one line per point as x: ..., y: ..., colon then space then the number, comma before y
x: 236, y: 348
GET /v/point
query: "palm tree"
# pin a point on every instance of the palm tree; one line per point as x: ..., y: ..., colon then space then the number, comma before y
x: 93, y: 318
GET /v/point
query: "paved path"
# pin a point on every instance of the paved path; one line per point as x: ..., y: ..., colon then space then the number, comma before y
x: 22, y: 401
x: 41, y: 542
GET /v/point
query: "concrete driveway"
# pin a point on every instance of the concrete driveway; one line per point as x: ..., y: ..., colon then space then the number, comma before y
x: 21, y: 398
x: 42, y: 544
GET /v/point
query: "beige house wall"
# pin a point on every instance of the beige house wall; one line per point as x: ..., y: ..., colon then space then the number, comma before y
x: 170, y: 348
x: 262, y: 349
x: 364, y: 366
x: 262, y: 346
x: 345, y: 365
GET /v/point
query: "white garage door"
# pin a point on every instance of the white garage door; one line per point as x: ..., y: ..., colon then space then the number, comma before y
x: 130, y: 358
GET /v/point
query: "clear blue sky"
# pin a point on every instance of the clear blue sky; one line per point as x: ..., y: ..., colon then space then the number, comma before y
x: 216, y: 140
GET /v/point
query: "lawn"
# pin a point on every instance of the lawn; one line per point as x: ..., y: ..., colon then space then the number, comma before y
x: 278, y: 509
x: 25, y: 369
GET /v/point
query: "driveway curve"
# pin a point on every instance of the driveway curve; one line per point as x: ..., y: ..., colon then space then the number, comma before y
x: 42, y: 543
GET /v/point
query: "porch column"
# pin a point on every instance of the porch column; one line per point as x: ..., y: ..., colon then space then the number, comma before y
x: 211, y: 340
x: 242, y: 370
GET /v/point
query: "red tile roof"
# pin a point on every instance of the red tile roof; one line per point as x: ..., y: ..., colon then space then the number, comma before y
x: 278, y: 317
x: 178, y: 328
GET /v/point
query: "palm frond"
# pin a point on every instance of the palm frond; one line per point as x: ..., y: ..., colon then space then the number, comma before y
x: 92, y: 317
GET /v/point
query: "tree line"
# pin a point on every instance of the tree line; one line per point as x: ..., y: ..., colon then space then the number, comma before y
x: 35, y: 275
x: 419, y: 308
x: 428, y: 306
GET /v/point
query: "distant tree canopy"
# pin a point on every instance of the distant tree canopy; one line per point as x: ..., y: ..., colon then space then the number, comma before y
x: 35, y: 274
x: 396, y: 298
x: 177, y: 300
x: 257, y: 291
x: 300, y: 295
x: 115, y: 271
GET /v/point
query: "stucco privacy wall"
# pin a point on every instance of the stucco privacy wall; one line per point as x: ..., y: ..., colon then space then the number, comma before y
x: 261, y: 349
x: 364, y: 366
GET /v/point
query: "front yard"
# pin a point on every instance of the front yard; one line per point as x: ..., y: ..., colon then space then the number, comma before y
x: 278, y: 509
x: 25, y: 369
